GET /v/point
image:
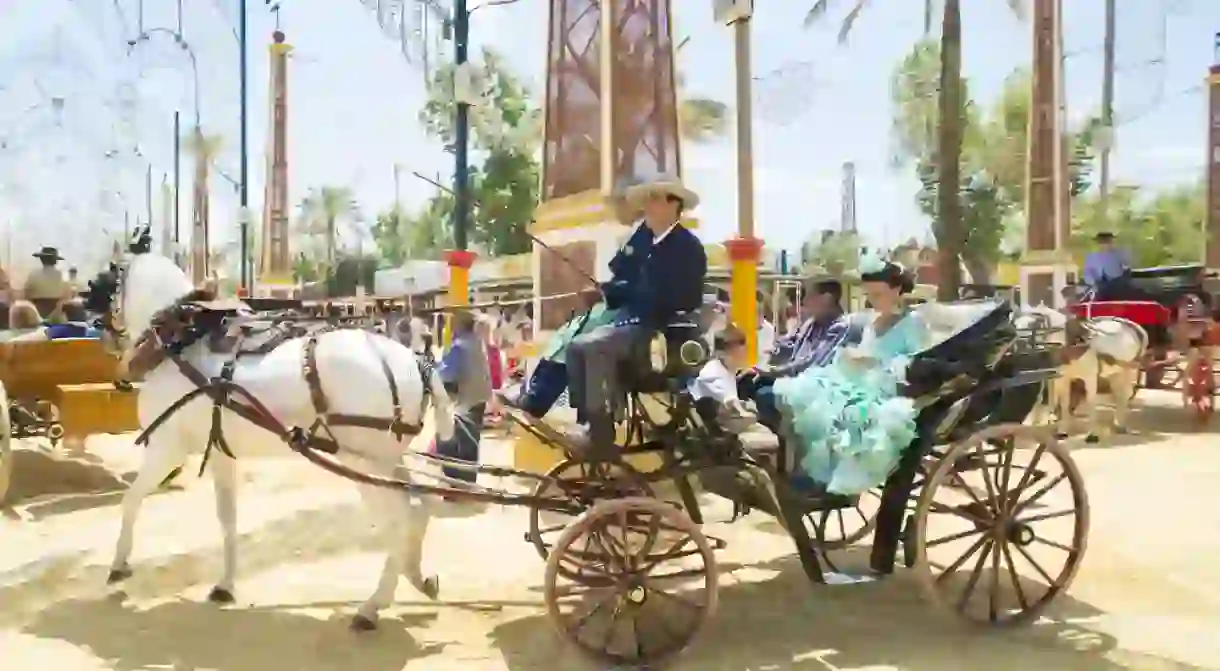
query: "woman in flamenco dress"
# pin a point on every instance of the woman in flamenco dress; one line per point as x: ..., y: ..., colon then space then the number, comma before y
x: 847, y: 421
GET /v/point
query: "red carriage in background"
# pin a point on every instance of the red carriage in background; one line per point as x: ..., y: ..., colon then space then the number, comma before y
x: 1175, y: 309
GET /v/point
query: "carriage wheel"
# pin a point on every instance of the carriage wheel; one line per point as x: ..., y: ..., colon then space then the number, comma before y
x: 583, y: 482
x: 650, y: 591
x: 996, y: 537
x: 840, y: 528
x: 1200, y: 388
x: 6, y: 446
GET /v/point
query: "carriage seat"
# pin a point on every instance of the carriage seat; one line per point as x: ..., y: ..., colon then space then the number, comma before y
x: 666, y: 361
x: 967, y: 339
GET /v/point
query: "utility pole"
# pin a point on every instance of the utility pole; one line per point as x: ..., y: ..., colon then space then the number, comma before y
x: 177, y: 182
x: 461, y: 139
x: 244, y: 178
x: 1107, y: 113
x: 148, y: 209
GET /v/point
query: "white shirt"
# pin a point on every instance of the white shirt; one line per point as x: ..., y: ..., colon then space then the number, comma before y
x: 766, y: 339
x: 657, y: 239
x: 715, y: 381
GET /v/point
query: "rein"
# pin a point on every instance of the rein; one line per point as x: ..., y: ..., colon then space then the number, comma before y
x: 161, y: 343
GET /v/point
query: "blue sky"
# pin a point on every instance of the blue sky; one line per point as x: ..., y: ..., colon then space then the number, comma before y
x: 354, y: 102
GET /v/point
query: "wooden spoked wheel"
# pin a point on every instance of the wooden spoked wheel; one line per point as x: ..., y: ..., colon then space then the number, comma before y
x: 1001, y: 525
x: 1200, y: 386
x: 840, y: 528
x: 640, y: 586
x: 586, y: 483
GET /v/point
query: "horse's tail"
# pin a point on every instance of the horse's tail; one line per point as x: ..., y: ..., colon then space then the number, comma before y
x: 6, y: 445
x: 442, y: 406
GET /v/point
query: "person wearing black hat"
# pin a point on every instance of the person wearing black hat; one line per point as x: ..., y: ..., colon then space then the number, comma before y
x: 1106, y: 268
x: 45, y: 287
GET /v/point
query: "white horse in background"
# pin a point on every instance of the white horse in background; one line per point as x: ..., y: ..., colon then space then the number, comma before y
x: 349, y: 364
x: 1115, y: 348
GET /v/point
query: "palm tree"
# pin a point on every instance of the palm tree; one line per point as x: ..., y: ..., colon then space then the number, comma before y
x: 322, y: 213
x: 950, y: 230
x: 205, y: 148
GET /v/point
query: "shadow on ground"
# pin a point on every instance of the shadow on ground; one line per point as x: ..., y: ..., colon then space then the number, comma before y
x: 38, y: 472
x: 785, y: 623
x: 192, y: 635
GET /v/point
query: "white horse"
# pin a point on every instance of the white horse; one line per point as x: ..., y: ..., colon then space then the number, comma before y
x: 353, y: 368
x: 1115, y: 348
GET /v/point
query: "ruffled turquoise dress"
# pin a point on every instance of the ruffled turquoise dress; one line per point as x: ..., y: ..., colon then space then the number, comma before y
x: 847, y: 421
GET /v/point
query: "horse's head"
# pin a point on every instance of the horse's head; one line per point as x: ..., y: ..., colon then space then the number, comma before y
x: 127, y: 296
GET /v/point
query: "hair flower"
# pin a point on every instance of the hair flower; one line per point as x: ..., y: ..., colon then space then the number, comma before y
x: 871, y: 262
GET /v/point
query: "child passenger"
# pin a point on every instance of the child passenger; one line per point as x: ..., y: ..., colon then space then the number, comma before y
x: 718, y: 380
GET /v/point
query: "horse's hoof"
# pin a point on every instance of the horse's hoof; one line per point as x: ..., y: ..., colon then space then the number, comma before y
x: 431, y: 587
x: 220, y: 595
x: 118, y: 575
x: 1092, y: 439
x: 360, y: 623
x: 1061, y: 435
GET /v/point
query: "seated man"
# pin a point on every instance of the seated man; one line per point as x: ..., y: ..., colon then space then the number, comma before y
x: 670, y: 282
x: 814, y: 344
x: 1107, y: 271
x: 550, y: 376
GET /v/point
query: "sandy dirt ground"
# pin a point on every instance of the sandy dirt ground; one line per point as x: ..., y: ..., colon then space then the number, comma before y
x: 1148, y: 596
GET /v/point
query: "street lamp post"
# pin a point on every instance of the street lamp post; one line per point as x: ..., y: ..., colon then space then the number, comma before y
x: 745, y: 250
x: 460, y: 259
x: 244, y: 189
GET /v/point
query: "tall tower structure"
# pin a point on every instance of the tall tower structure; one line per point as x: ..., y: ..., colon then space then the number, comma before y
x: 1044, y: 264
x: 275, y: 260
x: 199, y: 210
x: 847, y: 214
x: 611, y: 119
x: 1213, y: 160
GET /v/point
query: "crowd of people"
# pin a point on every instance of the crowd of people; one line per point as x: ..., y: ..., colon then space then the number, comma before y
x: 48, y: 305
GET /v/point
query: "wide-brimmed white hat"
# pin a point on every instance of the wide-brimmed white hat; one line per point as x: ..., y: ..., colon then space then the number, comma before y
x: 666, y: 184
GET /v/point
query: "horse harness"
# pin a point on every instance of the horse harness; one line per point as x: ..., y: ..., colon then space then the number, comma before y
x: 188, y: 322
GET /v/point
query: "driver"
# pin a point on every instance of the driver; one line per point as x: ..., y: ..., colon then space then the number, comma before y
x: 1106, y: 269
x: 672, y: 266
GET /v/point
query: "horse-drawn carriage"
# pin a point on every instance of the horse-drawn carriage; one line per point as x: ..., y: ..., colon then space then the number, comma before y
x: 973, y: 462
x: 1175, y: 311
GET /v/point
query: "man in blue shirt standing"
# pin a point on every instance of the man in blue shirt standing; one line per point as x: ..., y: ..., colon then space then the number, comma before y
x: 1107, y: 268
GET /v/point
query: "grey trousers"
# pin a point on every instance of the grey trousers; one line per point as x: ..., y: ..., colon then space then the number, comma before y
x: 594, y: 359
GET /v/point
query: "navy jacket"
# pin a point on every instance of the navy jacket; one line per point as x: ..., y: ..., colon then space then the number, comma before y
x: 670, y: 281
x: 625, y: 267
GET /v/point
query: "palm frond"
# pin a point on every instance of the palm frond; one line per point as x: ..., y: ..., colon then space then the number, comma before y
x: 850, y: 20
x: 816, y: 12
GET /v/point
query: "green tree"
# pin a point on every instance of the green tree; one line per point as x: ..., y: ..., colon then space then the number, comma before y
x: 505, y: 133
x: 699, y: 119
x: 326, y: 212
x: 831, y: 252
x: 991, y: 192
x: 949, y: 228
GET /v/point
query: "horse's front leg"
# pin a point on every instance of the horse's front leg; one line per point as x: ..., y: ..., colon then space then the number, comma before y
x: 224, y: 482
x: 405, y: 522
x: 1061, y: 402
x: 162, y: 454
x: 1090, y: 400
